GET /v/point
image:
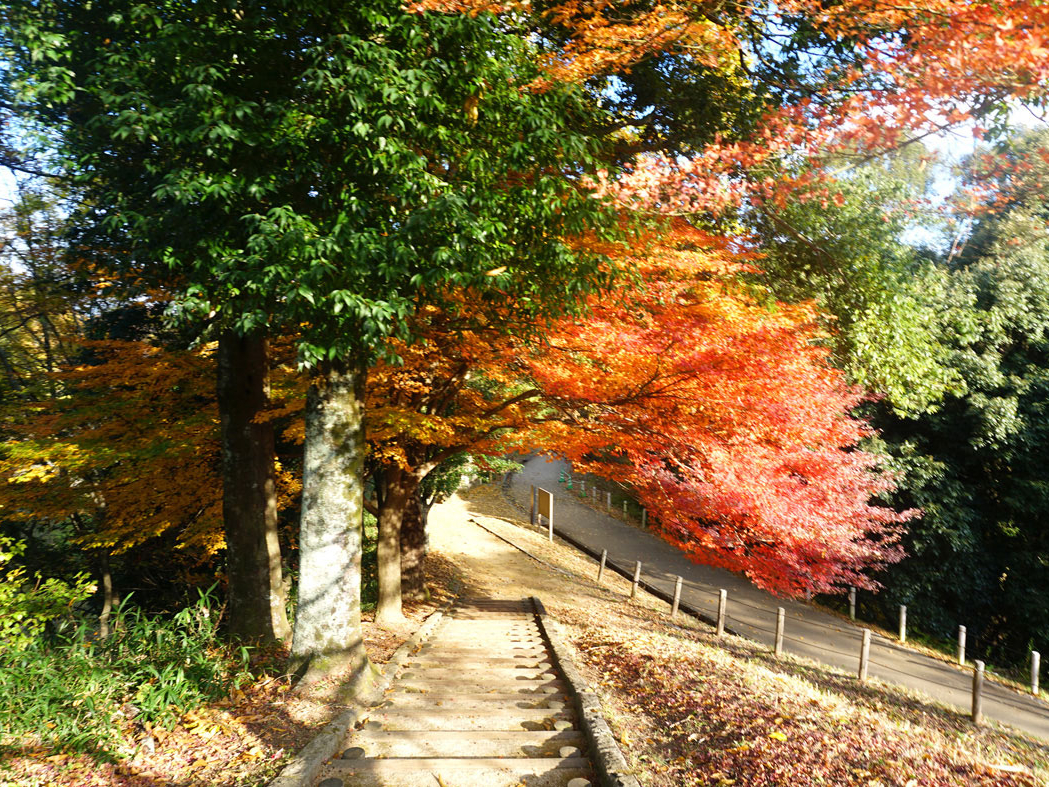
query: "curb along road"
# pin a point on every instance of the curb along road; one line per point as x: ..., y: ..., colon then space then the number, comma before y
x: 810, y: 632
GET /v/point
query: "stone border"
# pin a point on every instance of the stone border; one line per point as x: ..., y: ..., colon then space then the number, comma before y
x: 303, y: 768
x: 605, y: 753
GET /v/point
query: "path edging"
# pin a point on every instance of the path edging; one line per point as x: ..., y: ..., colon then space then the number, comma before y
x: 605, y: 753
x: 303, y: 768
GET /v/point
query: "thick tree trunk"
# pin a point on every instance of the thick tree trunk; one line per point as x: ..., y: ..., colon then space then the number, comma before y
x: 328, y: 617
x: 249, y: 497
x: 414, y: 546
x: 397, y: 489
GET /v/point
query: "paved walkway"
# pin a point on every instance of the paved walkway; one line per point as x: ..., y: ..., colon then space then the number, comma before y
x: 752, y: 613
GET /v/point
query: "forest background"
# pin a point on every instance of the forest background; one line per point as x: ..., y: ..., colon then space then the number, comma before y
x: 269, y: 274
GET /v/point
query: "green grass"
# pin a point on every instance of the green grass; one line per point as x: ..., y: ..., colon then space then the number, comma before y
x: 74, y: 694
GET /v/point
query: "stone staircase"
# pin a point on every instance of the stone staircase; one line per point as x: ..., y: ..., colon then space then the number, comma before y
x: 481, y: 704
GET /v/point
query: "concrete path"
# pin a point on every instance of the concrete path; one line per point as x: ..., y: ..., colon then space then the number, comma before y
x: 481, y: 704
x: 752, y: 612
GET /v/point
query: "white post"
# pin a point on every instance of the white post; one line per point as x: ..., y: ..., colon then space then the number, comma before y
x: 961, y: 644
x: 903, y: 622
x: 865, y: 654
x: 637, y: 578
x: 624, y: 509
x: 601, y: 568
x: 608, y: 501
x: 582, y: 487
x: 1036, y: 663
x: 722, y: 603
x: 852, y: 603
x: 978, y: 693
x: 781, y: 616
x: 677, y: 598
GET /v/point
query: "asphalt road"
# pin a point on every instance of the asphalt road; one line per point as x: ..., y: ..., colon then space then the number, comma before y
x: 751, y: 612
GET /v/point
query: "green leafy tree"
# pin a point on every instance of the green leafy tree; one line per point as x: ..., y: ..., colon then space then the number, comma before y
x: 322, y: 167
x: 976, y: 465
x: 877, y: 295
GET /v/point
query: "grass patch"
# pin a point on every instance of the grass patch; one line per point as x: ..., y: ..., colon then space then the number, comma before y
x: 77, y: 693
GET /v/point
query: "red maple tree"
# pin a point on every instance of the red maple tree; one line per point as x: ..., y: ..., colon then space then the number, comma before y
x: 726, y: 419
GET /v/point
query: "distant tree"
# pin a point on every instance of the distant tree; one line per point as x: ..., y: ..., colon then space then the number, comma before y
x: 43, y: 301
x: 976, y: 464
x: 877, y: 296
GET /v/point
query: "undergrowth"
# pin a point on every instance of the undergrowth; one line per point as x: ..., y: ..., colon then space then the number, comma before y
x: 75, y: 692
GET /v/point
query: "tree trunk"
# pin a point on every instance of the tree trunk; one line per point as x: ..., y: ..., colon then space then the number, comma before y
x: 414, y: 546
x: 249, y: 498
x: 328, y: 636
x: 109, y: 599
x: 397, y: 488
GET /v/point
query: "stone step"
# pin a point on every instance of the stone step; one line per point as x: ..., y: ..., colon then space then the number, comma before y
x: 487, y: 642
x: 471, y: 685
x: 508, y: 719
x: 485, y: 677
x: 455, y: 743
x: 463, y: 632
x: 478, y: 649
x: 408, y: 699
x: 472, y: 662
x: 468, y: 772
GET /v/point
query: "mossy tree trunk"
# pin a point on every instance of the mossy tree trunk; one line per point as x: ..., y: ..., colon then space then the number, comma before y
x: 328, y: 636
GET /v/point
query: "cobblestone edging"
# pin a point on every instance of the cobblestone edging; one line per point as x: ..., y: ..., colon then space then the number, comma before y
x: 303, y: 768
x: 605, y: 753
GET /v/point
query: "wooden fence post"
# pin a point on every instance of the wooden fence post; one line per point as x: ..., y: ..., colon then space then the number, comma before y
x: 677, y: 598
x: 601, y: 568
x: 624, y: 509
x: 608, y: 502
x: 644, y: 517
x: 1036, y: 663
x: 637, y: 578
x: 781, y: 616
x: 722, y: 603
x: 903, y: 622
x: 535, y: 512
x: 852, y: 603
x: 865, y: 654
x: 978, y: 693
x: 961, y: 644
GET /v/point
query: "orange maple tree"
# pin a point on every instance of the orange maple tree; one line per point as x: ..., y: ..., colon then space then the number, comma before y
x: 725, y: 418
x: 130, y: 451
x: 455, y: 389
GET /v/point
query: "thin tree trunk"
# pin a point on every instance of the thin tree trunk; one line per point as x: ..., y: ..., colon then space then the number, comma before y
x: 108, y: 598
x: 414, y: 546
x: 397, y: 490
x: 328, y: 636
x: 249, y: 496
